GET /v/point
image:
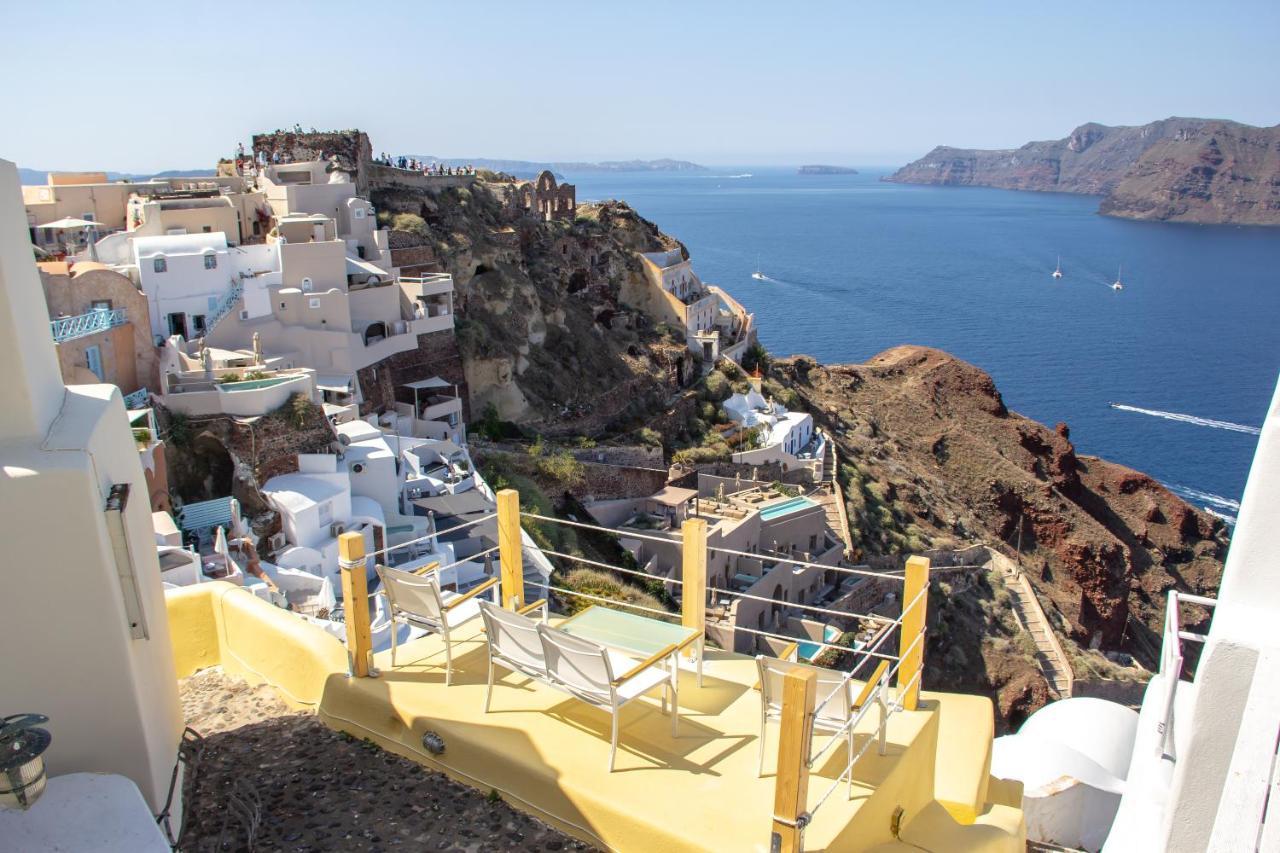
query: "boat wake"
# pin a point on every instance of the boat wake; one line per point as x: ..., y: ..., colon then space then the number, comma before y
x: 727, y: 177
x: 1190, y: 419
x: 1198, y: 496
x: 1216, y: 505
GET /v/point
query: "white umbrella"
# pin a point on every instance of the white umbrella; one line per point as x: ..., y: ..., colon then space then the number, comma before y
x: 70, y: 222
x: 220, y: 548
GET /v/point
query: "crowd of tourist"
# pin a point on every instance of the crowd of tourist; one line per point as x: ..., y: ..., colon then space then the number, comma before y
x: 411, y: 164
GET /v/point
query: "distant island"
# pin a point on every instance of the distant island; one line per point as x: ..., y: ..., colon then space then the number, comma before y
x: 826, y: 170
x: 1174, y: 170
x: 531, y: 168
x: 37, y: 177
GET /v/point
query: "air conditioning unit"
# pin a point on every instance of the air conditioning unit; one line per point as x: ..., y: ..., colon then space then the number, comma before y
x: 337, y: 529
x: 276, y: 542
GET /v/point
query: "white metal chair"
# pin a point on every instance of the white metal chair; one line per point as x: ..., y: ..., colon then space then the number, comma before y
x: 586, y: 670
x: 418, y: 600
x: 831, y: 717
x: 513, y: 641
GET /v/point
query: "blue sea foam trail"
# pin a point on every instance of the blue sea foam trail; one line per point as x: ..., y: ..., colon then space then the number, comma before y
x: 1190, y: 419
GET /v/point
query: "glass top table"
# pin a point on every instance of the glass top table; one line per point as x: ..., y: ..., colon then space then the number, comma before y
x: 631, y: 633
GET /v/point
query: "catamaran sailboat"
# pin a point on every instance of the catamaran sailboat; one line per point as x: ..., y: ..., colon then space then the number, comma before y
x: 1117, y: 285
x: 1057, y: 271
x: 757, y: 275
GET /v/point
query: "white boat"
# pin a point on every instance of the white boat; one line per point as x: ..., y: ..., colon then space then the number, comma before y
x: 757, y: 275
x: 1117, y: 285
x: 1057, y: 271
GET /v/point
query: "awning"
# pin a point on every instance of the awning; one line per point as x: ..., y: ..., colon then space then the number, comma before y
x: 672, y: 496
x: 337, y: 382
x: 70, y: 222
x: 433, y: 382
x: 464, y: 503
x: 355, y: 266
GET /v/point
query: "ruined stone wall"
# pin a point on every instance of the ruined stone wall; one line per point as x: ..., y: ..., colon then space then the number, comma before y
x: 351, y: 148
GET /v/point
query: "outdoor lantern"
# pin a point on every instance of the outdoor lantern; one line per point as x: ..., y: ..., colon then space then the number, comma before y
x: 22, y: 746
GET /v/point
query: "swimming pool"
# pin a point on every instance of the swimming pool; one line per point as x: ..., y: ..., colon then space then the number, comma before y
x: 809, y: 651
x: 785, y: 508
x: 251, y: 384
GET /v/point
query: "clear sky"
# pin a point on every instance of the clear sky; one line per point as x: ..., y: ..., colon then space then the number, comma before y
x: 142, y: 85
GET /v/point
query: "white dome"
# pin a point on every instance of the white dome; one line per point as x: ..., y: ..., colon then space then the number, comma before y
x: 1102, y: 731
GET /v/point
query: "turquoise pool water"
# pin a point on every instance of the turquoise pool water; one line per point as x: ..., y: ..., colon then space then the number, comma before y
x: 785, y: 508
x: 809, y: 651
x: 250, y: 384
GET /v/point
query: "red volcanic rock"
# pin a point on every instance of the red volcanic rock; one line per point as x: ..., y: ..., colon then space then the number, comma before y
x: 1111, y: 540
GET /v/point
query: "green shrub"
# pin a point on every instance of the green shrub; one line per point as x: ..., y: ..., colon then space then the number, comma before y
x: 230, y: 377
x: 563, y: 468
x: 179, y: 430
x: 410, y: 222
x: 709, y: 453
x: 649, y: 436
x: 256, y: 374
x: 716, y: 387
x: 603, y: 585
x: 756, y: 357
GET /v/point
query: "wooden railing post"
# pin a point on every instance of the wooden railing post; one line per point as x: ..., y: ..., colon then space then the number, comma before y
x: 791, y: 787
x: 510, y: 549
x: 911, y: 652
x: 355, y: 604
x: 693, y: 577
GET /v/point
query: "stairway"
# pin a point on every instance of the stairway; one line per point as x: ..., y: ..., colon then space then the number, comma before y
x: 832, y: 497
x: 1049, y: 655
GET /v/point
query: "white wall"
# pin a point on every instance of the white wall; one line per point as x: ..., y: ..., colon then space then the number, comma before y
x: 112, y: 699
x: 186, y: 286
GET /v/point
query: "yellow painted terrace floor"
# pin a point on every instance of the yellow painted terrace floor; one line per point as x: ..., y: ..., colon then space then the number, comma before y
x: 547, y: 753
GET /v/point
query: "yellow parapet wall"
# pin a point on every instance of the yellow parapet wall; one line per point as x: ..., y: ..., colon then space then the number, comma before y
x: 221, y: 624
x: 546, y: 753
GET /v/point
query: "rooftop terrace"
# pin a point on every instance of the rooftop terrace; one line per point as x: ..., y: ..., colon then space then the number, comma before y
x: 546, y: 753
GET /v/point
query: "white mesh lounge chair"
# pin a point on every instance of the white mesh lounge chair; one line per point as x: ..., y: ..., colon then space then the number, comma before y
x: 513, y: 641
x: 586, y: 670
x: 417, y: 600
x: 832, y: 716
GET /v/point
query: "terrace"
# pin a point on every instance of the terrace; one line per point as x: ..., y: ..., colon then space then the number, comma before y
x: 917, y: 776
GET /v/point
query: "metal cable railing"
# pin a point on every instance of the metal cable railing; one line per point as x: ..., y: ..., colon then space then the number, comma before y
x: 816, y: 643
x: 611, y: 568
x: 613, y: 601
x: 596, y: 527
x: 473, y: 558
x: 808, y: 564
x: 403, y: 545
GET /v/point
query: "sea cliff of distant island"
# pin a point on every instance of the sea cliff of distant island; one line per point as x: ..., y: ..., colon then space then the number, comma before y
x: 1176, y: 170
x: 826, y: 170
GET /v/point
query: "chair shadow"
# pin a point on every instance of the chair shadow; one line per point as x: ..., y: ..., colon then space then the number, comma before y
x: 712, y: 698
x: 645, y: 732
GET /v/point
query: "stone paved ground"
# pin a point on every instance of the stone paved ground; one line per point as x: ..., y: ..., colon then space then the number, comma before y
x: 323, y: 790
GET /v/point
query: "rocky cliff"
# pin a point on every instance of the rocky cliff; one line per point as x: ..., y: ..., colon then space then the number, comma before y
x: 545, y: 338
x: 1177, y: 169
x: 933, y: 455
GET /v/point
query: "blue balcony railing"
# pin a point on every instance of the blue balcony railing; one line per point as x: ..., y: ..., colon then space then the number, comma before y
x: 69, y: 328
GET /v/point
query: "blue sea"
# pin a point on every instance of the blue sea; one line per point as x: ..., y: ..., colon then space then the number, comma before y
x: 1189, y: 348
